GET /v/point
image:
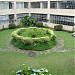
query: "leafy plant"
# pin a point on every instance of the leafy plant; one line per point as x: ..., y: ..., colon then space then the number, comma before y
x: 39, y: 24
x: 58, y: 27
x: 12, y: 25
x: 28, y: 21
x: 31, y: 71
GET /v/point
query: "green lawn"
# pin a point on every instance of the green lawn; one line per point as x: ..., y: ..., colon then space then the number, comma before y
x: 56, y: 63
x: 4, y: 37
x: 69, y: 41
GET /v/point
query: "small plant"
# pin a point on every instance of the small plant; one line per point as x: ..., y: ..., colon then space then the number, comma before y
x: 39, y: 24
x: 30, y: 71
x: 12, y: 25
x: 58, y: 27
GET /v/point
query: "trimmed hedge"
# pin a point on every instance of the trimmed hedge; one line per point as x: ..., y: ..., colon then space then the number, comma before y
x: 58, y: 27
x: 29, y: 40
x: 39, y: 24
x: 12, y: 25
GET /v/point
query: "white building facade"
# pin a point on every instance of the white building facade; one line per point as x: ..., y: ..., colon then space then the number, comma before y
x: 51, y: 12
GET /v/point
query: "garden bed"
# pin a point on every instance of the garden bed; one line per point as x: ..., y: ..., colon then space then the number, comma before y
x: 33, y: 38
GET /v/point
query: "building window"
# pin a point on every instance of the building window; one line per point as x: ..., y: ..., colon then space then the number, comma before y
x: 45, y: 4
x: 25, y: 4
x: 53, y: 4
x: 39, y: 17
x: 60, y: 19
x: 35, y: 4
x: 67, y: 5
x: 21, y: 15
x: 6, y: 5
x: 4, y: 19
x: 10, y: 5
x: 19, y: 5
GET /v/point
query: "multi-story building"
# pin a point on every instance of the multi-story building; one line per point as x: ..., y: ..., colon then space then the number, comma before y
x: 55, y: 11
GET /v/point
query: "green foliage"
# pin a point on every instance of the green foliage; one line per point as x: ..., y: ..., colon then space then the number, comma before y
x: 26, y: 40
x: 45, y: 39
x: 27, y: 35
x: 28, y: 21
x: 31, y: 71
x: 12, y: 25
x: 39, y: 24
x: 58, y: 27
x: 33, y: 35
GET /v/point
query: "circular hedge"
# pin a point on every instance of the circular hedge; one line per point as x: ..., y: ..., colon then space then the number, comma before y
x: 33, y: 35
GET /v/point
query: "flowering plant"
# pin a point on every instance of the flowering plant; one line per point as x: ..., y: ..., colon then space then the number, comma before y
x: 31, y: 71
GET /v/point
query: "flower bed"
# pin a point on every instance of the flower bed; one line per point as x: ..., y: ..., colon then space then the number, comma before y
x: 31, y: 71
x: 34, y: 38
x: 29, y: 40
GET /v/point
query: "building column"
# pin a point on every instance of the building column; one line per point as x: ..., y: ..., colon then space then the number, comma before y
x: 48, y: 15
x: 41, y: 5
x: 29, y: 7
x: 15, y: 10
x: 57, y: 5
x: 48, y: 4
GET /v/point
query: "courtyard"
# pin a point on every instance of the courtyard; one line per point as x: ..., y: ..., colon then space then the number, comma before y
x: 60, y: 62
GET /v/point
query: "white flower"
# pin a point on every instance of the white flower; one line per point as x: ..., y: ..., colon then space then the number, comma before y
x: 36, y: 70
x: 33, y: 74
x: 23, y: 64
x: 28, y: 68
x: 46, y: 70
x: 42, y: 74
x: 49, y: 74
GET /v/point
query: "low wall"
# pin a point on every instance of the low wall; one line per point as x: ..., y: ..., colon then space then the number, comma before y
x: 65, y: 27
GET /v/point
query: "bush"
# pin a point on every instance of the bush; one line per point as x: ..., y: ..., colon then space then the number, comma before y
x: 12, y: 25
x: 31, y: 71
x: 23, y: 35
x: 58, y: 27
x: 39, y: 24
x: 28, y: 21
x: 45, y: 39
x: 53, y: 37
x: 26, y: 40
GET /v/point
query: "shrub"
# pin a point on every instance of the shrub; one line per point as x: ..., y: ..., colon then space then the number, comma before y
x: 58, y: 27
x: 39, y: 24
x: 12, y: 25
x: 45, y: 39
x: 28, y: 21
x: 23, y: 35
x: 53, y: 37
x: 26, y: 40
x: 31, y: 71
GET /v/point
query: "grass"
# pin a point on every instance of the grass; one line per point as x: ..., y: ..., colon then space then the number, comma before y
x: 38, y: 46
x: 56, y: 63
x: 4, y: 37
x: 69, y: 41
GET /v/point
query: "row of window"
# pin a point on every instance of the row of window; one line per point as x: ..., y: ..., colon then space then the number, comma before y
x: 43, y: 4
x: 57, y: 19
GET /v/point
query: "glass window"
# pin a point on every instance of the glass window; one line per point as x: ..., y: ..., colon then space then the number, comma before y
x: 60, y: 19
